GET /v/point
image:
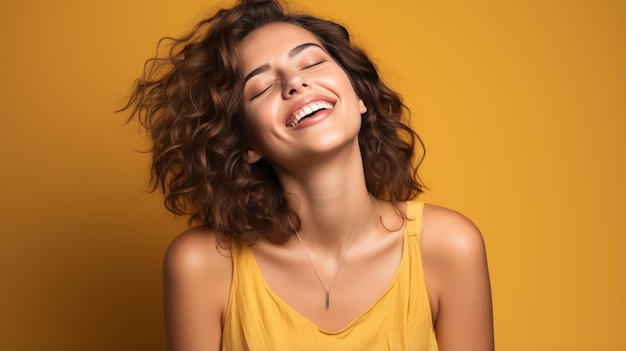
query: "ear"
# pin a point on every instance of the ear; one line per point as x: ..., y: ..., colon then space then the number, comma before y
x: 253, y: 156
x: 362, y: 107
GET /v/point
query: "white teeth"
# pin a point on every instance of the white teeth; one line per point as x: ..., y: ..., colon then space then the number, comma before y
x: 308, y: 109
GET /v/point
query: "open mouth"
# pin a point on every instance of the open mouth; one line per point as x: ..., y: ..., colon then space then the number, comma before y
x: 307, y: 111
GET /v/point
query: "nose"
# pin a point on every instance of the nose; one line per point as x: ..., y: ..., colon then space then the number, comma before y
x: 294, y: 83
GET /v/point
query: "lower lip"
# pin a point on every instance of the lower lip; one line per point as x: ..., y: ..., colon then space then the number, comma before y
x: 320, y: 116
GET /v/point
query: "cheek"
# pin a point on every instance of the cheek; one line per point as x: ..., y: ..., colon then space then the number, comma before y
x: 249, y: 123
x: 259, y: 119
x: 339, y: 79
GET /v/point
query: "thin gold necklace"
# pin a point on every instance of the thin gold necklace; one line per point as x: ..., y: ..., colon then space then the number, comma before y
x: 343, y: 254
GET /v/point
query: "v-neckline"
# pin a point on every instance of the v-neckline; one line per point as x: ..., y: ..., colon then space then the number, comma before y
x: 298, y: 315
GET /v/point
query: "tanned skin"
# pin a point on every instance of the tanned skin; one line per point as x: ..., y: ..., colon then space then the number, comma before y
x: 319, y: 162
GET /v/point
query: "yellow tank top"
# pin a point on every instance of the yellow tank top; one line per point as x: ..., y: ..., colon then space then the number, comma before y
x: 400, y: 319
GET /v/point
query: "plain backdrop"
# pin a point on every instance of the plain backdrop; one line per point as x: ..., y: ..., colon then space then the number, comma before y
x: 521, y: 105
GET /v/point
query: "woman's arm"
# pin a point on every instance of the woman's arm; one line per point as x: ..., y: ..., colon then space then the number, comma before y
x: 457, y: 279
x: 196, y: 286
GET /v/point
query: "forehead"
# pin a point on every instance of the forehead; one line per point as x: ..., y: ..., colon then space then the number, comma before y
x: 272, y: 41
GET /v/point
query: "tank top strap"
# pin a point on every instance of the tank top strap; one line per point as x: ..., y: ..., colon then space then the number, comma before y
x: 414, y: 218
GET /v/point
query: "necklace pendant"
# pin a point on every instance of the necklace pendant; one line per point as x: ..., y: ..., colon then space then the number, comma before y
x: 343, y: 254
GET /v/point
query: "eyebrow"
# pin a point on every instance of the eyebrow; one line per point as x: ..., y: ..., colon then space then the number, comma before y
x: 293, y: 52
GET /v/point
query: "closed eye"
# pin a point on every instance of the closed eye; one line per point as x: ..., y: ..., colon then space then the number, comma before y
x: 261, y: 92
x: 315, y: 64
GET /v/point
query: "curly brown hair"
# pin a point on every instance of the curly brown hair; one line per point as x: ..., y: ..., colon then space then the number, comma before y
x: 190, y: 103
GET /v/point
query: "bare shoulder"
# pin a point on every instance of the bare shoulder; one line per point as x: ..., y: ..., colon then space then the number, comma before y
x: 195, y: 262
x: 457, y: 280
x: 448, y: 235
x: 197, y: 274
x: 196, y: 250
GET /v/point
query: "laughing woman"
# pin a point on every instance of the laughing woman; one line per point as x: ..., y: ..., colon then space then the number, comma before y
x: 295, y: 162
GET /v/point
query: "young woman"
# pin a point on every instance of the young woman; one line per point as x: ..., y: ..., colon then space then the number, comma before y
x: 274, y: 133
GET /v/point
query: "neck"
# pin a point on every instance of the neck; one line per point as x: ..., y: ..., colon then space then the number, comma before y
x: 329, y: 197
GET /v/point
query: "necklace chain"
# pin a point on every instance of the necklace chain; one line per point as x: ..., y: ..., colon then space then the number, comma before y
x: 343, y: 254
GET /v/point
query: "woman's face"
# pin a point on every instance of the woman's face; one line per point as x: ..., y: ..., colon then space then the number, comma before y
x: 298, y: 102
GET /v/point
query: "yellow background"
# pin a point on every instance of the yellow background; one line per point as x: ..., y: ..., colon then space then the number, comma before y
x: 520, y: 103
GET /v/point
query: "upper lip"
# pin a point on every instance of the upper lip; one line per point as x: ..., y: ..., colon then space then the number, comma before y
x: 309, y: 99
